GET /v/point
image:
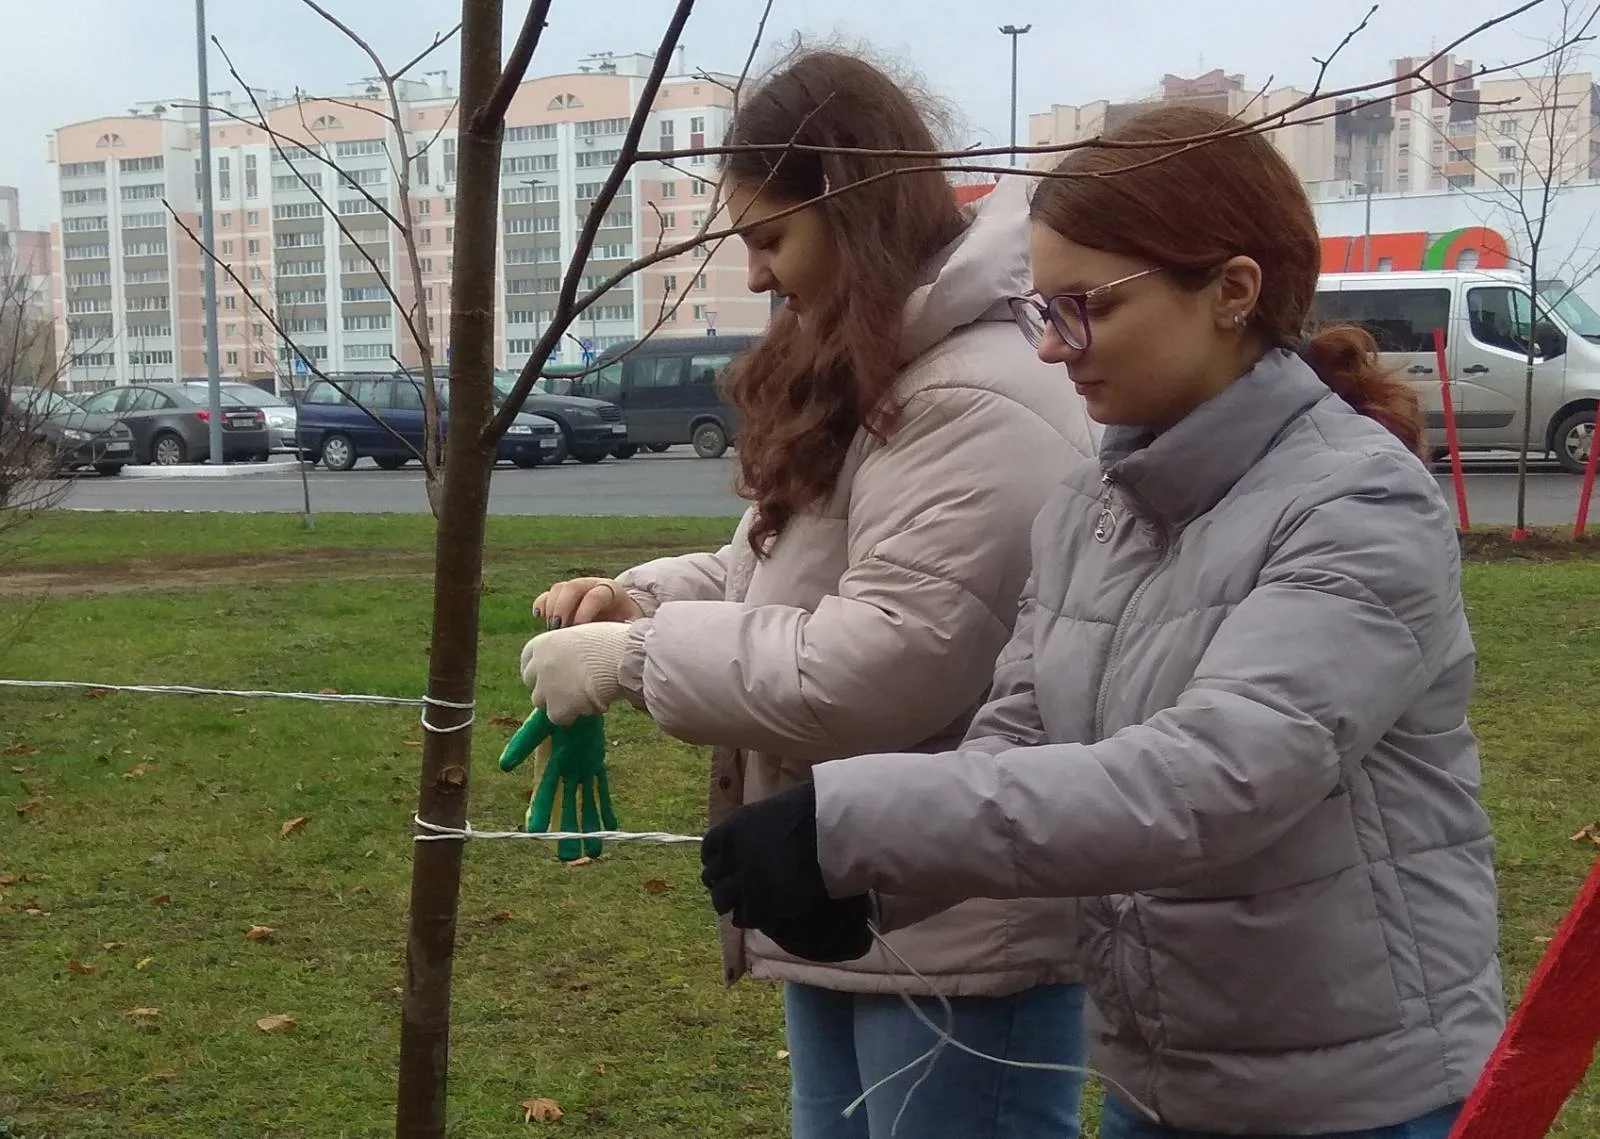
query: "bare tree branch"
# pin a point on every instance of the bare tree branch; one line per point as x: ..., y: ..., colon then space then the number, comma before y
x: 283, y: 333
x: 516, y: 66
x: 439, y: 40
x: 591, y: 226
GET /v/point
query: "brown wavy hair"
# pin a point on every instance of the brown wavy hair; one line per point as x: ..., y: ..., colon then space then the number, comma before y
x: 1203, y: 203
x: 804, y: 393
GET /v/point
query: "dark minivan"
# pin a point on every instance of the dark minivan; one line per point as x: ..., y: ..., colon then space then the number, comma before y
x: 667, y: 389
x: 336, y: 427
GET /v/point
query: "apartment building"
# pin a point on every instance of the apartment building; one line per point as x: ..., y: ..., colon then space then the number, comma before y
x: 303, y: 227
x: 1443, y: 129
x: 24, y: 256
x: 1309, y: 147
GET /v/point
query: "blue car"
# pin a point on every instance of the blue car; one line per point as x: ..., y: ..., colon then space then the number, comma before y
x: 338, y: 431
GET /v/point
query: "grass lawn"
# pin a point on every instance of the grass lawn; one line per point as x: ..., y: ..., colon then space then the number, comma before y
x: 142, y: 837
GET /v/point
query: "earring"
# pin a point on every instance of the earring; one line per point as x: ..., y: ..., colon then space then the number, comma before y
x: 1238, y: 320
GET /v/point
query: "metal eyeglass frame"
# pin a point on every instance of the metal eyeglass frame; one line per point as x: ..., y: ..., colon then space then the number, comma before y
x: 1053, y: 310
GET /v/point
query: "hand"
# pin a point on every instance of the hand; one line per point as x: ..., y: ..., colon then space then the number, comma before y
x: 585, y: 599
x: 760, y: 864
x: 574, y: 672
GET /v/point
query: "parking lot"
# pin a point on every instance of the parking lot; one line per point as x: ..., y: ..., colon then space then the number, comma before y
x: 673, y: 483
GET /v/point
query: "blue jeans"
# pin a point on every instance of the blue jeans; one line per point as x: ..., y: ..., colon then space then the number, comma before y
x: 1118, y: 1121
x: 840, y: 1044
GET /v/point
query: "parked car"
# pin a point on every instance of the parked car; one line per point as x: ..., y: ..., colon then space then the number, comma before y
x: 667, y: 387
x: 280, y: 412
x: 172, y: 425
x: 71, y: 437
x: 1486, y: 317
x: 338, y: 430
x: 591, y: 428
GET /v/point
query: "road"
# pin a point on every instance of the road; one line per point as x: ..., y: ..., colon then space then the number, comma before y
x: 674, y: 483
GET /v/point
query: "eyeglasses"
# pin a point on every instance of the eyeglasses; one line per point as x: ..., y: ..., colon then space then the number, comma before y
x: 1067, y: 313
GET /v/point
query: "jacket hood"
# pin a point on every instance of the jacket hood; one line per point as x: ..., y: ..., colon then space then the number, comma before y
x: 971, y: 277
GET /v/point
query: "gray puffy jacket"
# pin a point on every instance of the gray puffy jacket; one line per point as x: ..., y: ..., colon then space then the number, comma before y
x: 1232, y: 721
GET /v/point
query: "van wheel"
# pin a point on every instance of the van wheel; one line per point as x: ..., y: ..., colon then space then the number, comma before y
x: 710, y: 440
x: 108, y: 469
x: 390, y: 462
x: 1573, y: 438
x: 338, y: 452
x: 626, y: 451
x: 658, y: 448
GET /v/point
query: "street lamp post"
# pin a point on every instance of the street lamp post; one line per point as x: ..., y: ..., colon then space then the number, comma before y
x: 1015, y: 33
x: 209, y: 236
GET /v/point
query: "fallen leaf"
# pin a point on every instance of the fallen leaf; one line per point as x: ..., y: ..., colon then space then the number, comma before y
x: 412, y: 743
x: 12, y: 879
x: 19, y: 749
x: 240, y: 711
x: 143, y: 1013
x: 19, y: 770
x: 161, y: 900
x: 328, y: 691
x: 580, y: 861
x: 97, y: 694
x: 30, y: 805
x: 259, y: 933
x: 293, y: 825
x: 1590, y: 832
x: 540, y: 1110
x: 503, y: 915
x: 80, y: 967
x: 498, y: 721
x: 141, y: 769
x: 33, y: 911
x: 276, y: 1023
x: 359, y: 890
x: 599, y: 1069
x: 163, y: 1074
x: 144, y: 963
x: 783, y: 1054
x: 656, y: 886
x: 1542, y: 940
x: 112, y: 945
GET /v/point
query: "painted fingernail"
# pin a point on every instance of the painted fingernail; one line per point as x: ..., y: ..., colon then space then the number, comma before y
x: 555, y: 622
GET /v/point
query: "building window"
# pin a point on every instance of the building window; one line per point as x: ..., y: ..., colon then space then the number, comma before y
x: 224, y: 178
x: 531, y: 134
x: 697, y: 188
x: 252, y: 185
x: 357, y: 149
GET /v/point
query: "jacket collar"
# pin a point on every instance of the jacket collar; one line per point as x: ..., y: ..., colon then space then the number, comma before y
x: 1186, y: 471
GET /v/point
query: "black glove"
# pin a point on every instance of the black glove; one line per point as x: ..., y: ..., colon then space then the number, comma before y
x: 760, y: 864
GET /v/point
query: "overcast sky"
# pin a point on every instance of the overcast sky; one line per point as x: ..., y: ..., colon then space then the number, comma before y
x: 70, y: 60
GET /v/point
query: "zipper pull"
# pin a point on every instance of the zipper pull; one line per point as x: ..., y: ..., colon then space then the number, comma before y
x: 1106, y: 524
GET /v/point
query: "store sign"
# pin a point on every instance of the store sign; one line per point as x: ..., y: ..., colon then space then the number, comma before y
x: 1472, y: 247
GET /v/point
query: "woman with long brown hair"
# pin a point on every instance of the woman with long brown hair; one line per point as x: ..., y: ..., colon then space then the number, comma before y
x: 897, y: 440
x: 1232, y: 719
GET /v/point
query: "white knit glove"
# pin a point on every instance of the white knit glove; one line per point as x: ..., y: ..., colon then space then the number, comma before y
x: 572, y: 672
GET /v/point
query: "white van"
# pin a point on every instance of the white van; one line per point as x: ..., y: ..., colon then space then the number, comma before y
x: 1484, y: 315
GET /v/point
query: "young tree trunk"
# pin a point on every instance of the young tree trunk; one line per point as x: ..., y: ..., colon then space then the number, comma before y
x: 458, y: 573
x: 1520, y: 530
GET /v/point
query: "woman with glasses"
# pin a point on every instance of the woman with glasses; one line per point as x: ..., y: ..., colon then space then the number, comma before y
x: 898, y: 439
x: 1232, y: 719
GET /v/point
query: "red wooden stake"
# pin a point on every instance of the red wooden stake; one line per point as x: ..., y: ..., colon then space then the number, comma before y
x: 1588, y: 480
x: 1550, y: 1041
x: 1450, y: 431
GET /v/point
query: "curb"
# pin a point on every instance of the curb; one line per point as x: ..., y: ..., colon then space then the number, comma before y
x: 206, y: 470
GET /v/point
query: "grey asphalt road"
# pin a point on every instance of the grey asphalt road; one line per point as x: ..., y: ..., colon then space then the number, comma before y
x: 674, y: 483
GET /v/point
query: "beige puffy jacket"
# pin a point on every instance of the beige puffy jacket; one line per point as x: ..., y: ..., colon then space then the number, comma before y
x: 875, y: 621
